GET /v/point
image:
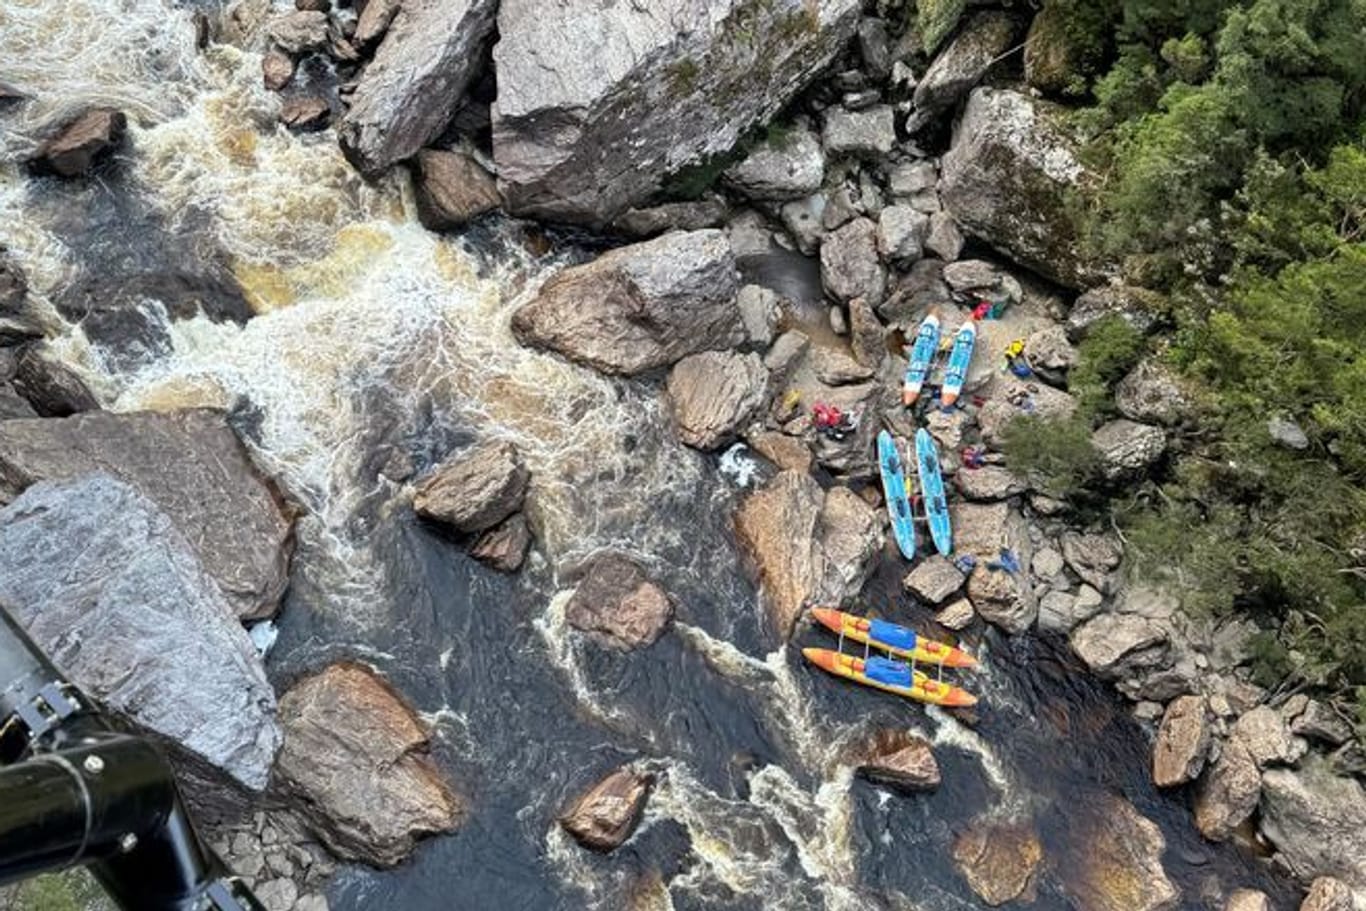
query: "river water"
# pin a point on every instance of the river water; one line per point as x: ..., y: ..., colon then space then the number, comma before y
x: 351, y: 345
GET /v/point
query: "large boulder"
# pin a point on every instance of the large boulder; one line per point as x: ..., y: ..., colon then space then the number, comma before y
x: 474, y: 489
x: 784, y: 168
x: 108, y: 585
x: 807, y: 545
x: 18, y: 321
x: 409, y: 92
x: 999, y: 860
x: 1093, y: 557
x: 1317, y: 821
x: 850, y: 266
x: 1120, y: 867
x: 1007, y: 179
x: 356, y: 753
x: 53, y: 389
x: 1003, y: 598
x: 1228, y: 792
x: 961, y: 65
x: 713, y: 395
x: 1267, y: 738
x: 1328, y: 894
x: 639, y: 307
x: 934, y: 579
x: 1153, y: 394
x: 898, y: 759
x: 604, y: 817
x: 599, y: 104
x: 1182, y: 741
x: 1116, y: 645
x: 618, y: 605
x: 191, y: 464
x: 1127, y: 448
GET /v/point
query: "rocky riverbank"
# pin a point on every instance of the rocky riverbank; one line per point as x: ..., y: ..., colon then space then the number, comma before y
x: 788, y: 189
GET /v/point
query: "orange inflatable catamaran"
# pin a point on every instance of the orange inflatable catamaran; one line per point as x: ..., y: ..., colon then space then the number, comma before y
x: 890, y: 674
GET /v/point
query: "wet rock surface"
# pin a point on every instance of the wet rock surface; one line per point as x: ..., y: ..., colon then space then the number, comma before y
x: 899, y: 760
x: 999, y: 860
x: 475, y: 489
x: 639, y: 307
x: 82, y: 143
x: 356, y: 753
x: 618, y: 604
x: 104, y: 580
x: 605, y: 816
x: 504, y: 547
x: 191, y: 464
x: 1121, y: 869
x: 452, y: 189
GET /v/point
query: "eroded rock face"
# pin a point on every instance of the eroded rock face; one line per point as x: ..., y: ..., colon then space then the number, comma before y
x: 619, y: 605
x: 475, y: 489
x: 355, y: 751
x: 639, y: 307
x: 999, y: 860
x: 82, y: 143
x: 1181, y: 744
x: 713, y: 395
x: 900, y: 760
x: 504, y: 547
x: 1317, y: 820
x: 604, y: 817
x: 191, y: 464
x: 650, y: 89
x: 1006, y: 180
x: 409, y: 92
x: 1121, y: 866
x: 806, y: 545
x: 105, y: 582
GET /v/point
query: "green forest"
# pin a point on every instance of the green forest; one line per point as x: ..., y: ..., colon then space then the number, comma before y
x: 1229, y: 140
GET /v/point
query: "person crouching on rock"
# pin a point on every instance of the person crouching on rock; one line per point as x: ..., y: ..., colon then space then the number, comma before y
x: 832, y: 422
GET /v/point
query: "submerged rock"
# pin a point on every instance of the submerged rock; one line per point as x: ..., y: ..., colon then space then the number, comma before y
x: 898, y: 759
x: 191, y: 464
x: 356, y: 753
x: 713, y: 395
x: 476, y: 488
x: 81, y: 143
x: 1317, y: 821
x: 650, y: 90
x: 1007, y: 179
x: 409, y: 92
x: 1182, y: 741
x: 999, y: 860
x: 452, y: 189
x: 107, y: 584
x: 807, y: 546
x: 639, y: 307
x: 617, y: 603
x: 605, y: 816
x: 1120, y: 865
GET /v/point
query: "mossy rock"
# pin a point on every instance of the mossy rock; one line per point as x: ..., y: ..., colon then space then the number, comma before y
x: 936, y: 19
x: 1050, y: 55
x: 70, y: 890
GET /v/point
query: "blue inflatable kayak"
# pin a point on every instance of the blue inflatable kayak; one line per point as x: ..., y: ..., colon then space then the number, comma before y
x: 922, y: 357
x: 959, y: 362
x: 898, y: 499
x: 932, y: 492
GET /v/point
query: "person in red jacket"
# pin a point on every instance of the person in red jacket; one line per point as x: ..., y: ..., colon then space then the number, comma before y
x: 832, y: 422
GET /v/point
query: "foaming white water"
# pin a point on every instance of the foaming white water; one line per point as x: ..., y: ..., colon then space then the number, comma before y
x: 564, y: 646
